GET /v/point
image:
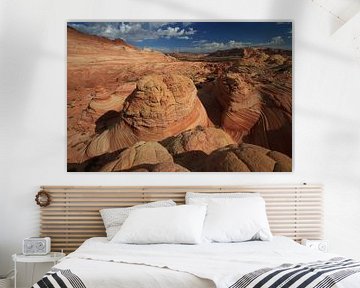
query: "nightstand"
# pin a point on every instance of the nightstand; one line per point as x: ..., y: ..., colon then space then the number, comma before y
x: 53, y: 257
x: 320, y: 245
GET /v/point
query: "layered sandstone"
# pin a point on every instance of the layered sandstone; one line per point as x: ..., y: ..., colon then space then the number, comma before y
x: 274, y: 128
x: 246, y: 158
x: 191, y: 147
x: 160, y: 106
x: 101, y: 74
x: 198, y: 139
x: 241, y: 102
x: 141, y: 157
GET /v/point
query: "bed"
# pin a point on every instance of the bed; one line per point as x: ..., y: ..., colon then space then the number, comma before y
x: 99, y: 263
x: 281, y: 262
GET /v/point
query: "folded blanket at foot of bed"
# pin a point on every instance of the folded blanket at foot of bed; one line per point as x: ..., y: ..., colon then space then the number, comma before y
x: 319, y: 274
x: 59, y: 278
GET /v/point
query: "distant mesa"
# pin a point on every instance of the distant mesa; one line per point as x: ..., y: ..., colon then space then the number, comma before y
x: 142, y: 157
x: 228, y: 52
x: 160, y: 106
x: 246, y: 158
x: 255, y: 56
x: 241, y: 102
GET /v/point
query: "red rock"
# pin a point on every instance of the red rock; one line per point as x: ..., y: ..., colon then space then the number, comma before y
x: 198, y: 139
x: 101, y: 74
x: 241, y: 102
x: 191, y: 147
x: 274, y: 128
x: 161, y: 106
x: 143, y: 156
x: 246, y: 158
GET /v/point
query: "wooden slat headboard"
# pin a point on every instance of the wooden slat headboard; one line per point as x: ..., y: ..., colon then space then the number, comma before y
x: 73, y: 215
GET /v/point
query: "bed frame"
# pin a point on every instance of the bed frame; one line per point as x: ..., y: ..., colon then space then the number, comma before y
x: 73, y: 215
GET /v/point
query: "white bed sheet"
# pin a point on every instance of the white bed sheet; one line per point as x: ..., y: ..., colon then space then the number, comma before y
x: 100, y: 263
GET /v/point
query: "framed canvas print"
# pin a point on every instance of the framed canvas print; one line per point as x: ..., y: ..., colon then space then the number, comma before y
x: 179, y: 96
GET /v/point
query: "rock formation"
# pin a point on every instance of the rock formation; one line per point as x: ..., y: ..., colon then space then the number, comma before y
x: 191, y: 147
x: 274, y: 128
x: 241, y: 102
x: 246, y: 158
x: 200, y: 138
x: 143, y: 156
x: 161, y: 106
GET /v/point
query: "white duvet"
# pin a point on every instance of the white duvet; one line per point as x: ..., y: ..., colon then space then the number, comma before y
x: 100, y: 263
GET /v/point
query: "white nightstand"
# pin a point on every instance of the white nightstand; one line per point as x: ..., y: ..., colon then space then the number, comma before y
x: 320, y: 245
x: 53, y: 257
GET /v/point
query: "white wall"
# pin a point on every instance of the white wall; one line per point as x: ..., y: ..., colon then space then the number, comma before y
x: 33, y: 108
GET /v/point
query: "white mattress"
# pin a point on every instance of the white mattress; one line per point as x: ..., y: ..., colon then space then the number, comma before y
x: 102, y: 264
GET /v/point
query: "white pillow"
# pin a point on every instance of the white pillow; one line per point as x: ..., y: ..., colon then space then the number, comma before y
x: 113, y: 218
x: 180, y: 224
x: 204, y: 198
x: 236, y: 220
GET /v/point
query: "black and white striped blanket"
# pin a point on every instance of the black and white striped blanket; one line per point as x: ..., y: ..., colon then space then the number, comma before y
x: 57, y: 278
x: 320, y: 274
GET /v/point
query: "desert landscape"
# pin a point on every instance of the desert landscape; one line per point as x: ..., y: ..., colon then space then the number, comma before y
x: 132, y: 108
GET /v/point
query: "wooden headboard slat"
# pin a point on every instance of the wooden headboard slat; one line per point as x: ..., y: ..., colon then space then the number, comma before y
x: 73, y: 216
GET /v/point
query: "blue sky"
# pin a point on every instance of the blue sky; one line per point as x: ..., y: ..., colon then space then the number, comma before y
x: 193, y: 36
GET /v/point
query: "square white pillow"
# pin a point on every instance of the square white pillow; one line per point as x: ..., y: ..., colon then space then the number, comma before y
x: 204, y: 198
x: 113, y: 218
x: 172, y: 225
x: 236, y: 220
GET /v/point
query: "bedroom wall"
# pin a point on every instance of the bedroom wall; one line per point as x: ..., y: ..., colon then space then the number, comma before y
x: 33, y: 108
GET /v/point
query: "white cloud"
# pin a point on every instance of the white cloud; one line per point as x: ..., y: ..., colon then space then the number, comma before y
x: 277, y: 41
x: 156, y: 25
x: 135, y: 31
x: 176, y: 32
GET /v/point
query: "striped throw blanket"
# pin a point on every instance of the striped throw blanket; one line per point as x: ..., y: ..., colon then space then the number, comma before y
x: 320, y: 274
x: 58, y: 278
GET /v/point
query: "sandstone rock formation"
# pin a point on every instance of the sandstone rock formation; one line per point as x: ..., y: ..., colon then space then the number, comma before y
x: 143, y: 156
x: 191, y: 147
x: 101, y: 74
x: 273, y: 83
x: 246, y: 158
x: 200, y: 138
x: 241, y: 102
x: 274, y: 128
x: 161, y: 106
x: 103, y: 101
